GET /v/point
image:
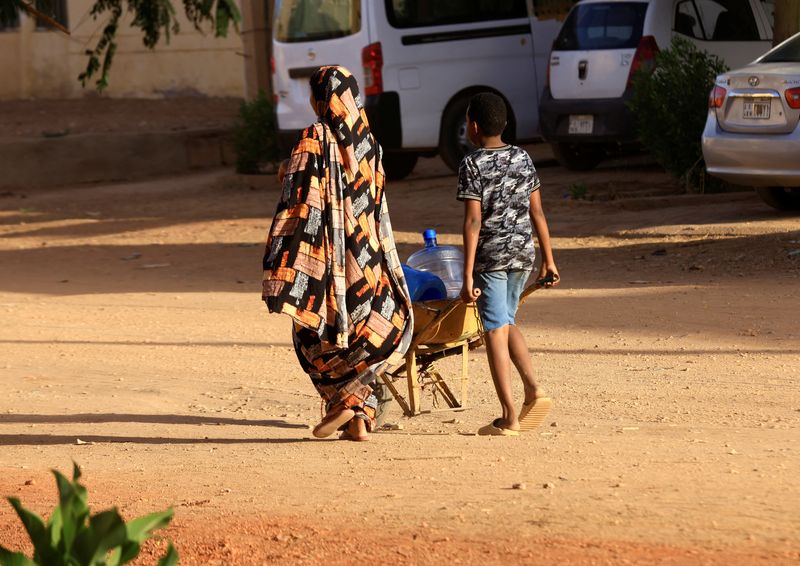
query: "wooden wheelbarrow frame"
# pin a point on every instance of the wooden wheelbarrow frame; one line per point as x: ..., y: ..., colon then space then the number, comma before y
x: 440, y: 336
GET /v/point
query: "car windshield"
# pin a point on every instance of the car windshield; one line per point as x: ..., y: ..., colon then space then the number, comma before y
x: 605, y: 25
x: 789, y: 52
x: 314, y: 20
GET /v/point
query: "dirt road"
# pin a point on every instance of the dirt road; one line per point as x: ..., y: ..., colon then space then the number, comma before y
x: 131, y: 320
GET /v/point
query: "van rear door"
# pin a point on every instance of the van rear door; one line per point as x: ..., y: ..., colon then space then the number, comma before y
x: 593, y: 53
x: 309, y: 34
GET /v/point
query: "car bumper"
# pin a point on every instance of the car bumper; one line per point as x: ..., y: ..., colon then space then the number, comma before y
x: 613, y: 120
x: 383, y: 113
x: 760, y: 160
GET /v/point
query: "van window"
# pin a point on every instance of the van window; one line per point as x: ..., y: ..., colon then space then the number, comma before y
x: 728, y: 20
x: 611, y: 25
x: 421, y: 13
x: 314, y: 20
x: 687, y: 22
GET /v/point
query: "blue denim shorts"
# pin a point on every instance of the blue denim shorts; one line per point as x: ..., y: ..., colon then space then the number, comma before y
x: 499, y: 298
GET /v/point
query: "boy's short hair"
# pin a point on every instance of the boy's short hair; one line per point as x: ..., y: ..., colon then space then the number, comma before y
x: 488, y: 110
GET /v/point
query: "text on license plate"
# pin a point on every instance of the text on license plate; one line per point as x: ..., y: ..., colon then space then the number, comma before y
x: 756, y: 109
x: 581, y: 124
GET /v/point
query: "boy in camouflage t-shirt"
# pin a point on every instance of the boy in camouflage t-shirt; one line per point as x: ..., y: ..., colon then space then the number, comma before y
x: 500, y: 189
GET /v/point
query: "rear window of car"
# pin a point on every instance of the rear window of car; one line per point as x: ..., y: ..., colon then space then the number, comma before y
x: 786, y: 53
x: 423, y: 13
x: 604, y: 25
x: 315, y: 20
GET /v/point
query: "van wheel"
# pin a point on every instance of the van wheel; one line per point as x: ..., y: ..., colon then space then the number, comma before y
x: 453, y: 141
x: 578, y: 157
x: 782, y: 198
x: 399, y: 165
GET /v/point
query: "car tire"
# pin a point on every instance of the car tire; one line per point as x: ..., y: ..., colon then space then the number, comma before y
x: 399, y: 165
x: 453, y: 141
x: 782, y: 198
x: 578, y: 157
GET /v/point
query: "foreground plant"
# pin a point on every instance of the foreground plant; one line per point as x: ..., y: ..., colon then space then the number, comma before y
x: 73, y: 537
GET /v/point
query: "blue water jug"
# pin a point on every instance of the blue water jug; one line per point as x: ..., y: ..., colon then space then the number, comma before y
x: 423, y: 286
x: 447, y: 262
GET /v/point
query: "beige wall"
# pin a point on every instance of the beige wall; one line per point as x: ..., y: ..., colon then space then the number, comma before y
x: 46, y: 64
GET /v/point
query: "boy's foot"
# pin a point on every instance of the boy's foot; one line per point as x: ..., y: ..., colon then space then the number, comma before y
x: 496, y: 428
x: 332, y: 422
x: 533, y: 414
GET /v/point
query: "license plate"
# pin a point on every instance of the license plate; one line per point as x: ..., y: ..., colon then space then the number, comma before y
x: 756, y: 109
x: 581, y: 124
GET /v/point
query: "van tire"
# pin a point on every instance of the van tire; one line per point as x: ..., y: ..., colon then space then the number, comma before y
x: 781, y: 198
x: 399, y: 165
x: 453, y: 144
x: 578, y: 157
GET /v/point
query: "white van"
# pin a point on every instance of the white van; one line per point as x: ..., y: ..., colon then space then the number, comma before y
x: 601, y: 44
x: 418, y: 62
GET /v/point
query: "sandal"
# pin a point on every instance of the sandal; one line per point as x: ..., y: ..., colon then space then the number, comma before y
x: 332, y: 422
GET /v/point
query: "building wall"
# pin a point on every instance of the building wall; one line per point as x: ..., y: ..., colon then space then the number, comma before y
x: 46, y: 63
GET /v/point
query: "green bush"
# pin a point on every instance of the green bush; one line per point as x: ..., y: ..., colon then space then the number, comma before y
x: 71, y: 537
x: 254, y: 137
x: 671, y: 105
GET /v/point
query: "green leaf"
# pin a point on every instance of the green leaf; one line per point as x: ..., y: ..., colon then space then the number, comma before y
x: 129, y: 551
x: 8, y: 558
x: 170, y: 558
x: 34, y: 526
x: 55, y: 525
x: 74, y: 510
x: 139, y: 529
x: 106, y: 531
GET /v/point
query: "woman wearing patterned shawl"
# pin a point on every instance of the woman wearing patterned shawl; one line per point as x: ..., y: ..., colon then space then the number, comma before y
x: 331, y: 262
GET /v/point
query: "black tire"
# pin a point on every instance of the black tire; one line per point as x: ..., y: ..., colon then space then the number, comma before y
x: 782, y: 198
x: 578, y: 157
x: 453, y: 141
x: 399, y: 165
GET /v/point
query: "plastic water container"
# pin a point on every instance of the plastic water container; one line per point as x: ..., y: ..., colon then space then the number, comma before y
x: 445, y: 261
x: 424, y: 286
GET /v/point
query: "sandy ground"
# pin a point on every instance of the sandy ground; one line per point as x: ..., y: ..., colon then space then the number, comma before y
x: 131, y: 320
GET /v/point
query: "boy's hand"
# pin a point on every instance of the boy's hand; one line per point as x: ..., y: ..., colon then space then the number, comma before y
x: 549, y: 269
x: 469, y: 294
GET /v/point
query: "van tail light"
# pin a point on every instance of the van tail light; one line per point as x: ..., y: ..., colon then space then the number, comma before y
x: 717, y: 97
x: 275, y: 96
x: 372, y: 59
x: 793, y: 97
x: 645, y: 57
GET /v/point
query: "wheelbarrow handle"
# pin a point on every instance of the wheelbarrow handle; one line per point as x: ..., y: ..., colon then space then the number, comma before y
x: 538, y: 284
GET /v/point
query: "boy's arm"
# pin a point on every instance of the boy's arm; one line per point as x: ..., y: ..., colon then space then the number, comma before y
x: 472, y: 228
x: 539, y: 223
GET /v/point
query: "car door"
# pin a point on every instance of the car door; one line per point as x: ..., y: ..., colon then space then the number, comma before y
x: 729, y: 29
x: 309, y: 34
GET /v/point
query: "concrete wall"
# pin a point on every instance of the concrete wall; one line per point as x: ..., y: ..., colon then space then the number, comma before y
x: 46, y: 63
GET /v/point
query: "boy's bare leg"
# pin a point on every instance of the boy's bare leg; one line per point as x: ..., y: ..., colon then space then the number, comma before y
x: 500, y: 367
x: 518, y: 350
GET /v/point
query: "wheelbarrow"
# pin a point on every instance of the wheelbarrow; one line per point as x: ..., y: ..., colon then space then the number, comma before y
x: 442, y: 328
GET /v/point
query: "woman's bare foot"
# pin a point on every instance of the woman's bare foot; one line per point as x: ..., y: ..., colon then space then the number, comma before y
x: 332, y: 421
x: 356, y: 431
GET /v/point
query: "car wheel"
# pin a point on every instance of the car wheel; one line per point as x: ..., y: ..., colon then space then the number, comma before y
x: 453, y: 141
x: 578, y: 157
x: 399, y: 165
x: 782, y: 198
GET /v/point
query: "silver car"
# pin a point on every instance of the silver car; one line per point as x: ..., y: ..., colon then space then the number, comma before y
x: 752, y: 135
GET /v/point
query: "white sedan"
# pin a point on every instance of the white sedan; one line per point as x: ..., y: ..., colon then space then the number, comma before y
x: 752, y: 136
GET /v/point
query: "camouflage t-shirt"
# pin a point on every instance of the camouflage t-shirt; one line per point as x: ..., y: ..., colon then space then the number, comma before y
x: 502, y: 180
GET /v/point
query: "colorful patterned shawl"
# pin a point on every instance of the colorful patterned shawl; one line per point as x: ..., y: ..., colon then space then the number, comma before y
x: 330, y: 261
